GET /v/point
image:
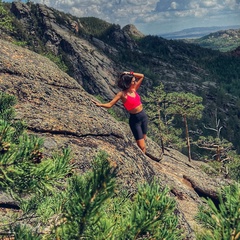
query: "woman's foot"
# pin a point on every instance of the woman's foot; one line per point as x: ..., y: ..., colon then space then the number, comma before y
x: 154, y: 158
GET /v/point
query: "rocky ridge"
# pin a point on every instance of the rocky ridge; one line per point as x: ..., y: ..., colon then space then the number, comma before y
x: 132, y: 31
x: 93, y: 61
x: 58, y: 109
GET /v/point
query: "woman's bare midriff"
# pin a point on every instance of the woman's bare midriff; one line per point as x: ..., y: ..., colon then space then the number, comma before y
x: 136, y: 110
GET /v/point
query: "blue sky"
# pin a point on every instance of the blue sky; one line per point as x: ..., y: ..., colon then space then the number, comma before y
x: 154, y: 16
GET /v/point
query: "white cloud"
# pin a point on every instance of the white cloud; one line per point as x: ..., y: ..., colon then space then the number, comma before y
x: 138, y: 2
x: 209, y: 3
x: 149, y: 13
x: 232, y: 4
x: 174, y: 5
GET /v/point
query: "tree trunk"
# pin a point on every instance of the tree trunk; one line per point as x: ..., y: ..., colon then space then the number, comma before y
x: 159, y: 120
x: 187, y: 138
x: 218, y: 153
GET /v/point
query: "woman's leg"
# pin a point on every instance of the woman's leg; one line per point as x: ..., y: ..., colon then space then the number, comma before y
x: 138, y: 125
x: 141, y: 144
x: 144, y: 130
x: 144, y: 126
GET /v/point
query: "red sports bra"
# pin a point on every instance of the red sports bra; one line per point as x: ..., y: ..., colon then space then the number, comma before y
x: 132, y: 102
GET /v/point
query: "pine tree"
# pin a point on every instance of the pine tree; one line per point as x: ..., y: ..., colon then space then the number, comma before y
x: 25, y: 173
x: 5, y: 19
x: 154, y: 109
x: 149, y: 214
x: 188, y: 106
x: 23, y: 167
x: 223, y: 156
x: 221, y: 221
x: 84, y: 197
x: 161, y: 123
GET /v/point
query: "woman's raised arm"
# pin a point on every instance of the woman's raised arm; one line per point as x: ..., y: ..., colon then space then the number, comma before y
x: 139, y: 77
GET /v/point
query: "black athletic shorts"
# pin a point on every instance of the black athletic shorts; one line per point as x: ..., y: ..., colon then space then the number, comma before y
x: 138, y: 124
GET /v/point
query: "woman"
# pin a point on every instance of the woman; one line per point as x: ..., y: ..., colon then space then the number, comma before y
x: 129, y: 82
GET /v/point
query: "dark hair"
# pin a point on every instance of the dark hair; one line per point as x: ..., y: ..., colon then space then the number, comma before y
x: 124, y: 81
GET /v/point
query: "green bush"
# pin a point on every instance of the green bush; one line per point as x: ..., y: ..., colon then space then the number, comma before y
x: 25, y: 174
x: 5, y: 18
x: 221, y: 221
x: 149, y: 214
x: 23, y: 166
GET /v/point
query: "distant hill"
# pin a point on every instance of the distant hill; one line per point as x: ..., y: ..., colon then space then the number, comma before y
x: 224, y: 40
x: 196, y: 32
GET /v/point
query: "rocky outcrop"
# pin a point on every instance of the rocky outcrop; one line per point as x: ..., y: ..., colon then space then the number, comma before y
x: 87, y: 62
x: 133, y: 31
x: 93, y: 69
x: 58, y: 109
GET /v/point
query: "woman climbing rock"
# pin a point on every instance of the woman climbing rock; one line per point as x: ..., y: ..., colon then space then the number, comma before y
x: 130, y: 82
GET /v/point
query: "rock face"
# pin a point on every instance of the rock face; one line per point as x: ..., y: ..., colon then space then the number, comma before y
x: 58, y: 109
x: 133, y: 31
x: 88, y: 64
x: 93, y: 61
